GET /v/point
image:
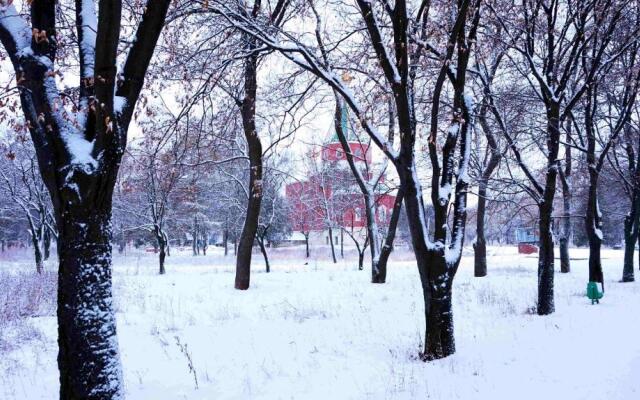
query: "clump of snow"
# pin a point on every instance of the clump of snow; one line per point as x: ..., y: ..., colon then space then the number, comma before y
x: 119, y: 103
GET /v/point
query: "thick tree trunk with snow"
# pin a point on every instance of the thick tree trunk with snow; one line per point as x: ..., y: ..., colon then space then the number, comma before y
x: 593, y: 225
x: 248, y: 111
x: 88, y: 350
x: 546, y: 261
x: 79, y: 153
x: 439, y: 342
x: 436, y: 282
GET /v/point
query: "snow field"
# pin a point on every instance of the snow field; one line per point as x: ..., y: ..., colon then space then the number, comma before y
x: 322, y: 331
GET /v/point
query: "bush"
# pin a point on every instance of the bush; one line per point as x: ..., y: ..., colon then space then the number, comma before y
x: 23, y: 296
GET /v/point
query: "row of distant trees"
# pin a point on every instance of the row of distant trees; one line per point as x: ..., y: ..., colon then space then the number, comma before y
x: 166, y: 197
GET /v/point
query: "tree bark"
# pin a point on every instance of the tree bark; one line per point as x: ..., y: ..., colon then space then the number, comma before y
x: 440, y: 340
x: 593, y: 225
x: 88, y: 351
x: 480, y: 246
x: 264, y: 254
x: 162, y: 244
x: 387, y: 248
x: 341, y: 244
x: 367, y: 190
x: 360, y: 260
x: 434, y: 277
x: 630, y: 239
x: 545, y: 262
x: 248, y: 111
x: 37, y: 253
x: 333, y: 250
x: 546, y: 259
x: 306, y: 242
x: 565, y: 237
x: 46, y: 243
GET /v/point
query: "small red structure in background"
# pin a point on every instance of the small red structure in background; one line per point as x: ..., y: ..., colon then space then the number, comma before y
x: 527, y: 239
x: 527, y: 248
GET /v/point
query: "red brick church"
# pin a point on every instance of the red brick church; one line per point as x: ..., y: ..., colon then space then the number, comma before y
x: 330, y: 196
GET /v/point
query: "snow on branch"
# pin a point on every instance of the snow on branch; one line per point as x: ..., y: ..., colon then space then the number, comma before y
x: 87, y: 30
x: 15, y: 34
x: 305, y: 58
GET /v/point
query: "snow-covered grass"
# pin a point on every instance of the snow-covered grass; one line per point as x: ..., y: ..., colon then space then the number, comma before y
x: 322, y: 331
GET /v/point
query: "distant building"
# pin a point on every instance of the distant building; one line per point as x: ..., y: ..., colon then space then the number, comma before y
x: 330, y: 196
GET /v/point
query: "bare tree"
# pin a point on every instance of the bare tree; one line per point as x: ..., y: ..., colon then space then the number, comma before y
x: 79, y: 150
x: 551, y: 49
x: 437, y: 260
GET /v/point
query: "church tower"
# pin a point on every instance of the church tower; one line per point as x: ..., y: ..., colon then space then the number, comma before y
x: 333, y: 151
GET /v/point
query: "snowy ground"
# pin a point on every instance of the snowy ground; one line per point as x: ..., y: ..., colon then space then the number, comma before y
x: 322, y: 331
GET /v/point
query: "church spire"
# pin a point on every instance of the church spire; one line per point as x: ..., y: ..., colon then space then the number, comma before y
x: 347, y: 128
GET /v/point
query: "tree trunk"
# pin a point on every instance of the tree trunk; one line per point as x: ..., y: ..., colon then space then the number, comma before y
x: 248, y: 111
x: 341, y: 244
x: 387, y: 248
x: 480, y: 246
x: 546, y: 259
x: 225, y: 240
x: 593, y: 226
x: 630, y: 239
x: 360, y: 260
x: 161, y: 257
x: 367, y: 189
x: 162, y: 244
x: 194, y: 237
x: 306, y: 243
x: 565, y: 237
x: 264, y: 254
x: 88, y: 357
x: 122, y: 243
x: 333, y: 250
x: 46, y: 243
x: 439, y: 339
x: 565, y: 180
x: 545, y: 262
x: 432, y: 267
x: 37, y: 253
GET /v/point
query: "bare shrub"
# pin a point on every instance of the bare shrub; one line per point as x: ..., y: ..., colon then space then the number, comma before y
x: 22, y: 296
